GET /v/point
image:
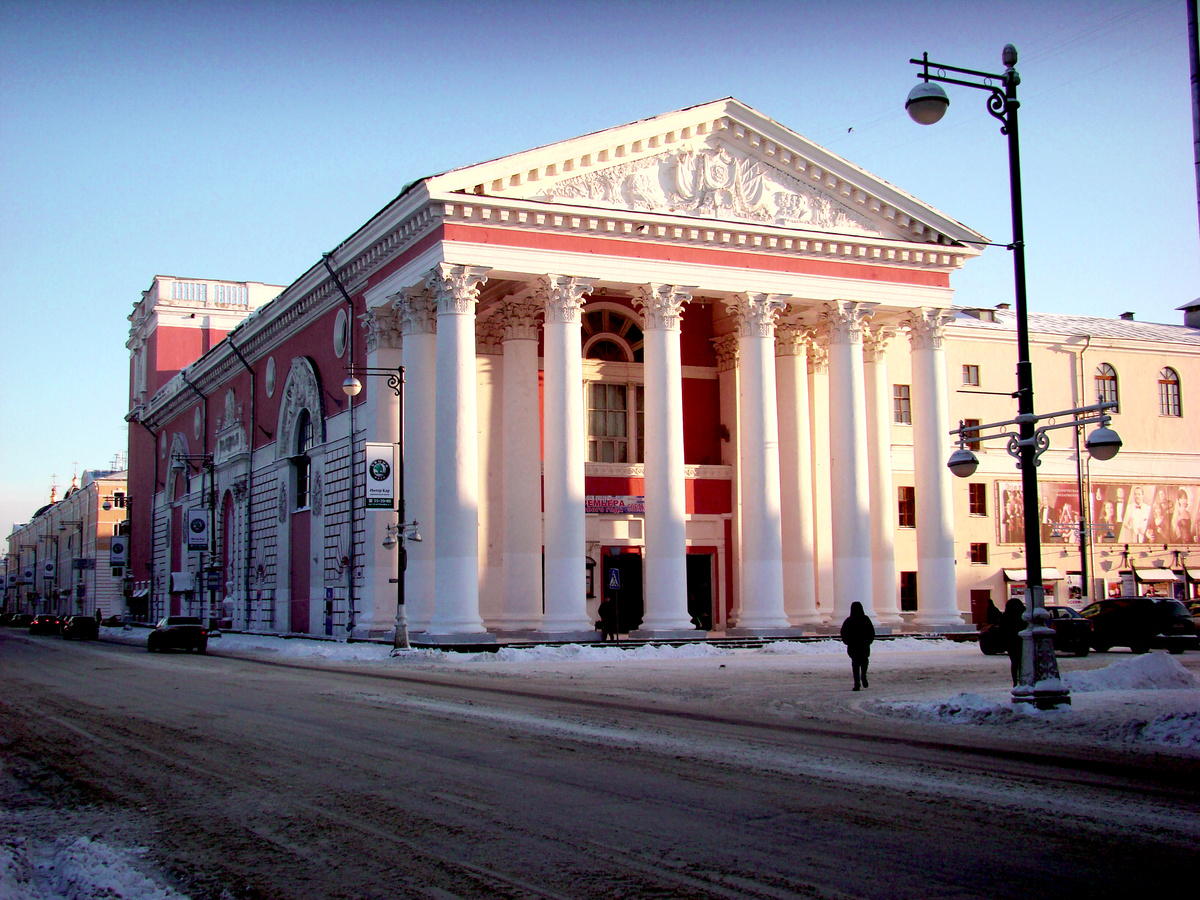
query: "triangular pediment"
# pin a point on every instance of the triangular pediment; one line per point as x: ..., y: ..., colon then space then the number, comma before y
x: 722, y: 161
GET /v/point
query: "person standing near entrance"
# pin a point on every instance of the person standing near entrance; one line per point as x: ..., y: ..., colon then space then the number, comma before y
x: 857, y: 635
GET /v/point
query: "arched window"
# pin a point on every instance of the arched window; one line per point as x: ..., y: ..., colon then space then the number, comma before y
x: 1168, y: 393
x: 1106, y: 385
x: 301, y: 463
x: 616, y: 400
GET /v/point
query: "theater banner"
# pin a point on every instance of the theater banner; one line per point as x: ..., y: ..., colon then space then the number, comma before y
x: 1118, y: 513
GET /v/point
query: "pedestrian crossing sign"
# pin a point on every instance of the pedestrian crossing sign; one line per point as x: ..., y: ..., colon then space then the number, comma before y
x: 614, y: 579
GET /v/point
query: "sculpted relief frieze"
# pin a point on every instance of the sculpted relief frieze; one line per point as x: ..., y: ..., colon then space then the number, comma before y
x: 715, y: 182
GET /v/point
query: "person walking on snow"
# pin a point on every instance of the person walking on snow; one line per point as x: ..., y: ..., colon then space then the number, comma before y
x: 857, y: 635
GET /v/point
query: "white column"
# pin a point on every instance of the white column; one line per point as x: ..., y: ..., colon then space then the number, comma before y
x: 565, y: 450
x: 666, y: 503
x: 937, y: 595
x: 456, y: 478
x: 849, y: 481
x: 795, y: 476
x: 522, y: 472
x: 417, y: 307
x: 879, y: 465
x: 762, y: 542
x: 818, y: 418
x: 376, y: 597
x: 727, y: 386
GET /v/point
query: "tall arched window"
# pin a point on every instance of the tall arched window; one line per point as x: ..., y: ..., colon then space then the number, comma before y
x: 616, y: 400
x: 300, y: 460
x: 1106, y: 385
x: 1168, y: 393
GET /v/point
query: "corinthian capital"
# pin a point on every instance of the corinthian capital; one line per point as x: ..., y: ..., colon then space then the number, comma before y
x: 927, y: 327
x: 791, y: 340
x: 662, y: 304
x: 845, y: 318
x: 818, y: 351
x: 382, y: 325
x: 727, y: 352
x: 457, y: 288
x: 756, y: 312
x: 522, y: 317
x: 417, y: 306
x: 562, y: 297
x: 875, y: 341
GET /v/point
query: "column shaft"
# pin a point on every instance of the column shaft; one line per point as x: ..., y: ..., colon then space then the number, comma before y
x: 879, y: 462
x: 795, y: 477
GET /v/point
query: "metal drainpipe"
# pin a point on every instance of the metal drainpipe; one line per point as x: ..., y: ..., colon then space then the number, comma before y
x: 249, y: 473
x: 327, y: 258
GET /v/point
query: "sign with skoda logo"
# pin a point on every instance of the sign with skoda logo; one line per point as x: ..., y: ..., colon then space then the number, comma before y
x: 197, y: 528
x: 381, y: 476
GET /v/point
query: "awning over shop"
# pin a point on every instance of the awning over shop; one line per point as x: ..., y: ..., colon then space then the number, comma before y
x: 1193, y: 574
x: 1018, y: 575
x: 1154, y: 576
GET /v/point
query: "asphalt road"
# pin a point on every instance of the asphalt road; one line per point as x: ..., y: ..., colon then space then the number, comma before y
x: 247, y: 779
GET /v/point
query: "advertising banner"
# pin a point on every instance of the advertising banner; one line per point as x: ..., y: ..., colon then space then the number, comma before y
x: 118, y: 551
x: 1118, y: 513
x: 381, y: 476
x: 197, y: 529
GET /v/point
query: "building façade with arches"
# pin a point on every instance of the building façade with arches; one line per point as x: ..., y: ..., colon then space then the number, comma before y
x: 696, y: 362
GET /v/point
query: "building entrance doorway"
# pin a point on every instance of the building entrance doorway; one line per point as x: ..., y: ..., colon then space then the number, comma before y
x: 700, y: 589
x: 624, y: 587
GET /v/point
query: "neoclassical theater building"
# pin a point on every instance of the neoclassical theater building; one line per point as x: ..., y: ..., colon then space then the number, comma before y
x: 695, y: 363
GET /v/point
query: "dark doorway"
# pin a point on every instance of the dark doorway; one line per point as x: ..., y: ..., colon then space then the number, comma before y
x: 626, y: 563
x: 700, y: 589
x: 981, y: 601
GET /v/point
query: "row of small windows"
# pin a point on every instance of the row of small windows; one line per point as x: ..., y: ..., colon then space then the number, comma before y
x: 1169, y: 403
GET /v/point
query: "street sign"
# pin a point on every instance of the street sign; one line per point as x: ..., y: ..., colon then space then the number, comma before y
x: 614, y: 579
x: 212, y: 580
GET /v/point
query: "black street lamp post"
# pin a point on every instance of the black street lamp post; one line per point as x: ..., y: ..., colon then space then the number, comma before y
x: 927, y: 103
x: 400, y: 532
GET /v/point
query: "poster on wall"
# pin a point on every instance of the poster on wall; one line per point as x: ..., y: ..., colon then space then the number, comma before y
x: 197, y: 528
x: 1118, y: 513
x: 381, y: 476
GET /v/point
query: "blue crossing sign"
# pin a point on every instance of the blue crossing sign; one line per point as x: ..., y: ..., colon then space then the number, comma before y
x: 614, y: 579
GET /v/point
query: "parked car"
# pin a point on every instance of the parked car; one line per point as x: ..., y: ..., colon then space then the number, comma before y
x: 45, y: 623
x: 1072, y: 633
x: 81, y: 628
x: 1140, y: 623
x: 20, y: 620
x: 178, y: 633
x: 1193, y: 607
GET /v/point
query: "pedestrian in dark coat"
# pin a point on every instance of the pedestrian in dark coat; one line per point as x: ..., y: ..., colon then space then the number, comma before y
x: 1012, y: 623
x: 857, y: 635
x: 608, y: 619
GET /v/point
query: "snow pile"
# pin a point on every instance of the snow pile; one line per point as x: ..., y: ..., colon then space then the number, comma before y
x: 835, y: 645
x: 1149, y: 672
x: 1176, y: 729
x: 609, y: 652
x: 961, y: 709
x: 74, y: 869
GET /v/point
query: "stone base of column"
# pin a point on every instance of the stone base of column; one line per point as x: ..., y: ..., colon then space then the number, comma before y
x: 371, y: 632
x: 461, y: 639
x: 558, y: 637
x: 813, y: 618
x: 667, y: 634
x: 836, y: 630
x: 958, y: 627
x: 740, y: 632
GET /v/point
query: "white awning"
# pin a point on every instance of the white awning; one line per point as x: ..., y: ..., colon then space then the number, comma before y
x: 1018, y: 575
x: 1193, y: 574
x: 1149, y: 576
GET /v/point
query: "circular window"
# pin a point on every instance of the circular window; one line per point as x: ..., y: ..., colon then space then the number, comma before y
x: 198, y: 424
x: 341, y: 333
x: 269, y: 378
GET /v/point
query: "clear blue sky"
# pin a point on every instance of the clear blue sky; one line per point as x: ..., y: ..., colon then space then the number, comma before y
x: 241, y: 140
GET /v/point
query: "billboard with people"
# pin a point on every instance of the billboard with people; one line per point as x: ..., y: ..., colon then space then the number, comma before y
x: 1118, y: 513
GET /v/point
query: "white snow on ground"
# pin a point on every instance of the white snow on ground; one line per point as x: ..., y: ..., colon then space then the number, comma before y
x: 74, y: 869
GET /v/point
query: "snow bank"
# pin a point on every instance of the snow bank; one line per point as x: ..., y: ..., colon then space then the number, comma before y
x: 835, y: 645
x: 74, y: 869
x: 961, y: 709
x: 1148, y: 672
x: 1176, y: 729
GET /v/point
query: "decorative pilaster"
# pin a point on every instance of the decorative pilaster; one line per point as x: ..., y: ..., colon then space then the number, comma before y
x: 565, y: 451
x: 521, y: 431
x: 879, y: 465
x: 849, y: 480
x: 795, y: 476
x: 937, y: 600
x: 726, y: 347
x: 666, y: 504
x: 456, y: 478
x: 416, y: 308
x: 762, y: 543
x: 382, y: 327
x: 818, y: 429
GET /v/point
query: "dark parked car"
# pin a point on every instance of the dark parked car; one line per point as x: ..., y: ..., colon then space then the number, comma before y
x: 179, y: 633
x: 1140, y: 623
x: 20, y: 620
x: 81, y: 628
x: 1072, y: 633
x: 45, y: 623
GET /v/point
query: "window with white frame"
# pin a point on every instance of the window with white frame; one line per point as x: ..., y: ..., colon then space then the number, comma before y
x: 1106, y: 385
x: 971, y: 375
x: 1168, y: 393
x: 901, y: 404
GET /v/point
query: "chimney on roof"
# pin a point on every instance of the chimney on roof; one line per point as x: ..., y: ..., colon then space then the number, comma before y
x: 1003, y: 305
x: 1126, y: 317
x: 1191, y: 313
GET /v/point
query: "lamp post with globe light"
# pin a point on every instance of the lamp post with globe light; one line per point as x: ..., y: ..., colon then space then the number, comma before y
x: 927, y: 102
x: 402, y: 531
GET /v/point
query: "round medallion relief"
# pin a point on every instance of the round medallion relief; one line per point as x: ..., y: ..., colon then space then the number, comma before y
x: 197, y: 424
x: 269, y: 377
